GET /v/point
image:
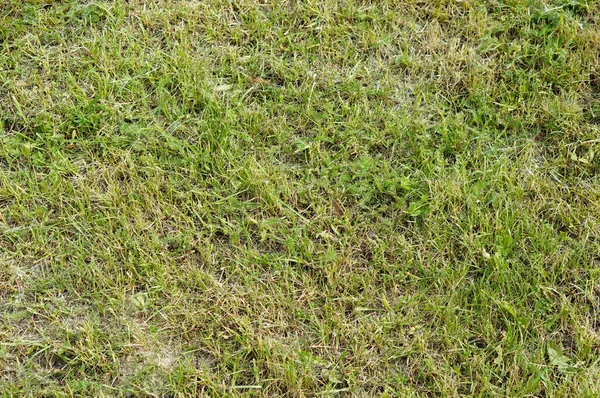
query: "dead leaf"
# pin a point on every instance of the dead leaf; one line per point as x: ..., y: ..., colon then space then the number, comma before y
x: 338, y: 208
x: 259, y: 80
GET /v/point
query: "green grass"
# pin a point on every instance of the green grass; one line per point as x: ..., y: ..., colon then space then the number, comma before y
x: 300, y: 198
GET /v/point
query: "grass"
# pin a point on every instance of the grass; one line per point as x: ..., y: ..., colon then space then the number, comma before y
x: 299, y: 198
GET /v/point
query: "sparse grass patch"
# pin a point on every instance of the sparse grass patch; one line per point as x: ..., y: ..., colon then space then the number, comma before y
x: 334, y: 198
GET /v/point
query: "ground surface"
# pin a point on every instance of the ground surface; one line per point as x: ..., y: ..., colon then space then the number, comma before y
x: 308, y: 198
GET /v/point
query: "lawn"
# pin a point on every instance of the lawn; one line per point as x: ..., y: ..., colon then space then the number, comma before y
x: 300, y: 198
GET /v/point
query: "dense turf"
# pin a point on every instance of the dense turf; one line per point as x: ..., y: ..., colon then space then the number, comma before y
x: 300, y: 198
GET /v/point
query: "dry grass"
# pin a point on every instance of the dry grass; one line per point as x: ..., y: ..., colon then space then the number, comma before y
x: 217, y: 198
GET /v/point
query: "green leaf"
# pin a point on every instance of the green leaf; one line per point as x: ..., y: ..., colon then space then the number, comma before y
x: 558, y: 359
